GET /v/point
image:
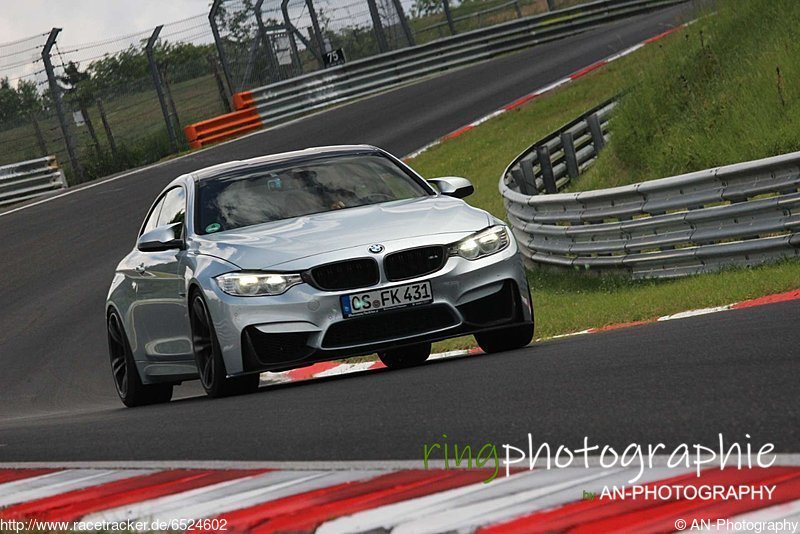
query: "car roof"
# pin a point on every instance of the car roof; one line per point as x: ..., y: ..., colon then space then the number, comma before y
x: 296, y: 155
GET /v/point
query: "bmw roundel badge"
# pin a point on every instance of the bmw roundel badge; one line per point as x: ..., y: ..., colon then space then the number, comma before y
x: 376, y: 248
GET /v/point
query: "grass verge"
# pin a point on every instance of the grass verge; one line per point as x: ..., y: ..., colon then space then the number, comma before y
x: 570, y: 301
x: 725, y: 90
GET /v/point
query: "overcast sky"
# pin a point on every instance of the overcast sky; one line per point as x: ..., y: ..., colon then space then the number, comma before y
x: 90, y: 20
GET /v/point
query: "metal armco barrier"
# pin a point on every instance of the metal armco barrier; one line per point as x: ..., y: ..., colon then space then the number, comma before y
x: 29, y: 179
x: 742, y: 214
x: 549, y: 165
x: 291, y: 98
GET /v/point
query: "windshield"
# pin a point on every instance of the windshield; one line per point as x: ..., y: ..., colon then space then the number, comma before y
x: 282, y: 191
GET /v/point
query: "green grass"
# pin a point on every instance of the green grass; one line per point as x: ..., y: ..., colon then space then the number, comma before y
x: 424, y: 32
x: 704, y: 127
x: 725, y: 90
x: 135, y: 119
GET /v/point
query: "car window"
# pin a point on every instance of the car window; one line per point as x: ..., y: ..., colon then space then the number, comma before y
x: 152, y: 218
x: 174, y: 209
x: 284, y: 190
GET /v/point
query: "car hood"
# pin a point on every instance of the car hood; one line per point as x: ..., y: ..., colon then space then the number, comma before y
x: 272, y: 244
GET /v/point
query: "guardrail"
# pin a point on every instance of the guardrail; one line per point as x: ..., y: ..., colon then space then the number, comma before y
x: 742, y: 214
x: 291, y: 98
x: 550, y: 164
x: 30, y: 179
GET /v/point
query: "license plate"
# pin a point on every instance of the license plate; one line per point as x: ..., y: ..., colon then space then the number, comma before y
x: 386, y: 299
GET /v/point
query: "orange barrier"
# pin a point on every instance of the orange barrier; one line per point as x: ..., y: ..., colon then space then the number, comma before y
x: 222, y: 127
x: 243, y: 100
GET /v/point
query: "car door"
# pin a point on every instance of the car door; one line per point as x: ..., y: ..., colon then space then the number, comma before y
x: 159, y: 316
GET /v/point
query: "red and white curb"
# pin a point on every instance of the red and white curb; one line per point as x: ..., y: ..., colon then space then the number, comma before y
x: 327, y: 369
x: 418, y: 501
x: 539, y: 92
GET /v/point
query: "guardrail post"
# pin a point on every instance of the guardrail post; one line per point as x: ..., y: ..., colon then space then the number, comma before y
x: 551, y: 5
x: 570, y: 157
x: 383, y: 45
x: 55, y: 91
x: 151, y: 59
x: 267, y: 43
x: 212, y: 19
x: 398, y: 6
x: 519, y: 179
x: 528, y: 176
x: 112, y: 143
x: 446, y: 5
x: 597, y: 132
x: 518, y: 9
x: 543, y: 154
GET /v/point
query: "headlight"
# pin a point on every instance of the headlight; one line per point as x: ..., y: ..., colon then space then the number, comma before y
x: 484, y: 243
x: 243, y: 284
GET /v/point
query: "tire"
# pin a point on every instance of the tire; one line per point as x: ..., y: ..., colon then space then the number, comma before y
x: 504, y: 339
x: 208, y: 355
x: 127, y: 382
x: 404, y: 357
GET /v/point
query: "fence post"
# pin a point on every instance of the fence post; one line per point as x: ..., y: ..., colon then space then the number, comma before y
x: 90, y: 127
x: 551, y: 5
x: 543, y: 154
x: 398, y: 6
x: 570, y: 157
x: 377, y: 26
x: 55, y: 92
x: 251, y: 61
x: 39, y: 137
x: 212, y: 19
x: 107, y: 127
x: 267, y: 43
x: 597, y: 132
x: 170, y: 100
x: 518, y: 9
x: 446, y: 4
x: 287, y: 21
x: 315, y: 25
x: 151, y: 59
x: 223, y: 96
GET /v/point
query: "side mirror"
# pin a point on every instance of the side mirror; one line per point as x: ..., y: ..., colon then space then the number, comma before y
x: 453, y: 186
x: 161, y: 238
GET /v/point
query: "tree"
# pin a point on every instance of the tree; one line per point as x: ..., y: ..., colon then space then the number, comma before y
x: 18, y: 101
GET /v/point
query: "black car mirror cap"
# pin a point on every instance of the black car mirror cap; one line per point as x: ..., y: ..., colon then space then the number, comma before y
x: 162, y: 238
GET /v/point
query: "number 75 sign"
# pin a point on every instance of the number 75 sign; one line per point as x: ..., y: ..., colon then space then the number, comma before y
x: 333, y: 58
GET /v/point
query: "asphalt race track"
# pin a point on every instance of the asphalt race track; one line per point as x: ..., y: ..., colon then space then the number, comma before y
x: 685, y: 380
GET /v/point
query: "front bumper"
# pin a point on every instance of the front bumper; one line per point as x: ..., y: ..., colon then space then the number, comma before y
x: 305, y: 325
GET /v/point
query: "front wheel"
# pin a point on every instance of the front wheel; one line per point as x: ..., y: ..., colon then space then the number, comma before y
x: 504, y: 339
x: 406, y: 356
x: 129, y: 386
x: 208, y: 356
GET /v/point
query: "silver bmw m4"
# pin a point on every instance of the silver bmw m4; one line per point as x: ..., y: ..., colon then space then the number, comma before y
x: 285, y: 260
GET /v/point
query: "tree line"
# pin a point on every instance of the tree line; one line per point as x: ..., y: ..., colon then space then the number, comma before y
x: 126, y: 71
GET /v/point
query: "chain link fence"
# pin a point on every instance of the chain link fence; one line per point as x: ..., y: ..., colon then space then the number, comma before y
x: 108, y: 105
x: 28, y: 126
x: 434, y: 19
